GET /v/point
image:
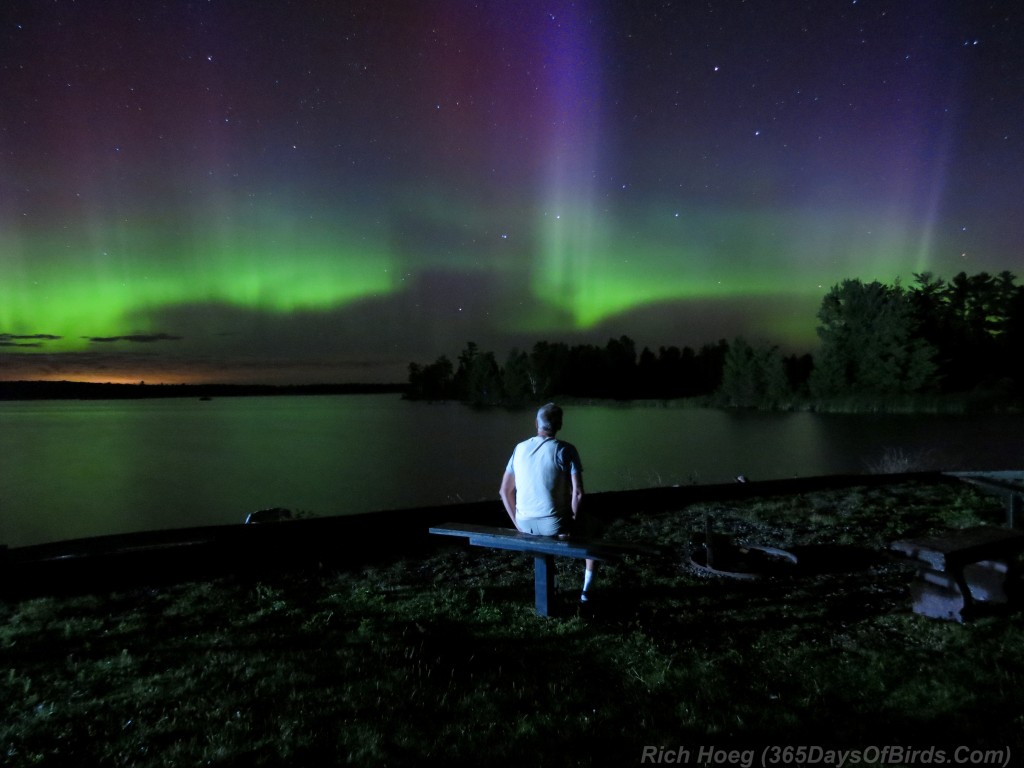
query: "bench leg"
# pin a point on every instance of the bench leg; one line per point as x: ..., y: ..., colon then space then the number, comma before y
x: 938, y: 595
x: 965, y: 588
x: 543, y: 582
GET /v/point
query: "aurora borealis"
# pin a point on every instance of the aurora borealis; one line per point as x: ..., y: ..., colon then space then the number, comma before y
x: 292, y: 192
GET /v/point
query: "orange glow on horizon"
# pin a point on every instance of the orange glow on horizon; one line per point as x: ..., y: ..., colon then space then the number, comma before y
x: 162, y: 378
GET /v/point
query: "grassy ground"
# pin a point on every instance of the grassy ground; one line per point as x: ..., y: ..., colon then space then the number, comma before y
x: 441, y: 660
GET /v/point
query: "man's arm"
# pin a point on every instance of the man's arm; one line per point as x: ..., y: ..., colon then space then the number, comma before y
x: 577, y: 493
x: 508, y: 496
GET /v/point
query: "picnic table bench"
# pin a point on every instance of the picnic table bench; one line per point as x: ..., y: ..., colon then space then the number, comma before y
x: 957, y: 570
x: 544, y: 550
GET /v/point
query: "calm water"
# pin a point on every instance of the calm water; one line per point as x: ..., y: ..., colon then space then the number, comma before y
x: 71, y: 469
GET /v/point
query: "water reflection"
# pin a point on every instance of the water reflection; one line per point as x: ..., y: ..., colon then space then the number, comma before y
x: 70, y: 469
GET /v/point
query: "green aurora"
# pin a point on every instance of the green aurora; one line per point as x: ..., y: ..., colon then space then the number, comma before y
x: 585, y: 270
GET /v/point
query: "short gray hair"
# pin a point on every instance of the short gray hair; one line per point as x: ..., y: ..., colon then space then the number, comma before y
x: 549, y: 418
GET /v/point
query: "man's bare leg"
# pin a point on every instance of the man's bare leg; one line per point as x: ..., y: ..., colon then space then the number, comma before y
x: 588, y: 575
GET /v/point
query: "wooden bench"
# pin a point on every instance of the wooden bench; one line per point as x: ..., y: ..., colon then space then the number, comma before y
x: 957, y: 570
x: 544, y: 550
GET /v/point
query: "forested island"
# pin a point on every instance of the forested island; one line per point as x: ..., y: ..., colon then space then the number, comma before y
x: 958, y: 343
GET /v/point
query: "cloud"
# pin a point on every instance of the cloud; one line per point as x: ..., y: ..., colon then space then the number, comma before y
x: 32, y: 340
x: 139, y: 338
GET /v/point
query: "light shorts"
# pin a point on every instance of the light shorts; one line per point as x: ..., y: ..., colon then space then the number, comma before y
x: 549, y: 525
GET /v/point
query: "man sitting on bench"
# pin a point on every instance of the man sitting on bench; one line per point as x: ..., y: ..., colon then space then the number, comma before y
x: 543, y: 484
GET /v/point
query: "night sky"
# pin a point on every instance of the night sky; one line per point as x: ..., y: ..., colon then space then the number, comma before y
x: 311, y: 191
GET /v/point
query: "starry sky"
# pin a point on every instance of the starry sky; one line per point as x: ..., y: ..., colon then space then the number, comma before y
x: 308, y: 191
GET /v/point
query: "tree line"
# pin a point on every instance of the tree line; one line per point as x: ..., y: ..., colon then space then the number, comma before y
x: 613, y: 371
x: 876, y: 340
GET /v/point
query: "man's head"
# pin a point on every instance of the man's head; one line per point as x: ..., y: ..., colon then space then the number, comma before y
x: 549, y: 419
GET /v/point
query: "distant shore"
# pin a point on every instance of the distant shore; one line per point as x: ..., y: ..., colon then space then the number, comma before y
x: 977, y: 402
x: 78, y: 390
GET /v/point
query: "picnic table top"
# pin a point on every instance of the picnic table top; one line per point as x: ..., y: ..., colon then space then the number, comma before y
x: 966, y: 546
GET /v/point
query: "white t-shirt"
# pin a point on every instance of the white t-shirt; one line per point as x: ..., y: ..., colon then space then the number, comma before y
x: 542, y: 467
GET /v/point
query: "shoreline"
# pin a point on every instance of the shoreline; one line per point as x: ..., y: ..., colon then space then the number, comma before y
x: 969, y: 403
x: 181, y: 554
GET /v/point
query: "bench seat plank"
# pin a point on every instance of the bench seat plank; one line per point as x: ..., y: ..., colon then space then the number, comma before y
x: 543, y: 548
x: 501, y: 538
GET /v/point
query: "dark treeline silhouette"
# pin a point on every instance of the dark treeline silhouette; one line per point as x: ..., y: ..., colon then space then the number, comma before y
x: 613, y: 371
x: 961, y: 336
x: 965, y: 336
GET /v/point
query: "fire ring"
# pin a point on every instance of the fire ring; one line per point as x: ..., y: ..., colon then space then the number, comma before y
x: 749, y: 561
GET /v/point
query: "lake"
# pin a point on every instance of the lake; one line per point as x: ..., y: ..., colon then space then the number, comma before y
x: 70, y: 469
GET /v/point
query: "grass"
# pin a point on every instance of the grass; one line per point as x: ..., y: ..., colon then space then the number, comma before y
x: 441, y: 660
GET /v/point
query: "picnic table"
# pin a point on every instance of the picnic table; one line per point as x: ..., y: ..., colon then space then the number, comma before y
x: 959, y: 569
